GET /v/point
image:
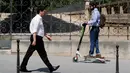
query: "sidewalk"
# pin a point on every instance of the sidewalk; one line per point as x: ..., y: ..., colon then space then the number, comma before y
x: 8, y: 65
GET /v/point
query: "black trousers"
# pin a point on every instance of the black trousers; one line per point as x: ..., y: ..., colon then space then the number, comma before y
x: 39, y: 47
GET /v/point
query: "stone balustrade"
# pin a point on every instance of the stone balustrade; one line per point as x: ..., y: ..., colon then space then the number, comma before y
x: 116, y: 12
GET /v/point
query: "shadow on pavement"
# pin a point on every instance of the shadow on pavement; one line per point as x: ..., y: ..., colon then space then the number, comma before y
x: 44, y: 70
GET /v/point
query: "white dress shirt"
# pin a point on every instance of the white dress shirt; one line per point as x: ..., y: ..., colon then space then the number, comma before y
x: 36, y: 25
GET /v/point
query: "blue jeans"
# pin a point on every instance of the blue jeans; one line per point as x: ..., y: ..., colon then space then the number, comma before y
x: 94, y: 33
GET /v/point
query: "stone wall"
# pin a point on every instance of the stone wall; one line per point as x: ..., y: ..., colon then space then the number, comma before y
x: 119, y: 10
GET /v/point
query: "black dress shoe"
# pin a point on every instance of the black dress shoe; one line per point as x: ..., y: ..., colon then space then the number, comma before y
x: 54, y: 68
x: 24, y: 70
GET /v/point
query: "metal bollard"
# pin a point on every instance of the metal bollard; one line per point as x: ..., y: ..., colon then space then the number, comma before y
x: 117, y: 59
x: 18, y: 57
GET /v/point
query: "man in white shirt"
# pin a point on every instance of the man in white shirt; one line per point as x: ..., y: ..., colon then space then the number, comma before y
x: 37, y: 43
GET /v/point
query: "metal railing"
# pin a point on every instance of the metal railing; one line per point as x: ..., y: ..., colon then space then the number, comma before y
x: 64, y: 21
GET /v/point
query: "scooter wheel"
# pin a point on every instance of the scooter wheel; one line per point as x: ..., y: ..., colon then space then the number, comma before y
x: 75, y: 59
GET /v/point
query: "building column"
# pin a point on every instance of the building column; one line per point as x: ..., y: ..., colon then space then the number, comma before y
x: 112, y: 9
x: 104, y: 11
x: 87, y: 13
x: 121, y: 10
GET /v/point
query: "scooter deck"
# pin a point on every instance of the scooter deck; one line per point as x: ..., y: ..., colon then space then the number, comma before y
x: 94, y: 60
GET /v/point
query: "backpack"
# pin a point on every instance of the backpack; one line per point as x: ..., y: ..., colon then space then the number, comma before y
x: 102, y: 20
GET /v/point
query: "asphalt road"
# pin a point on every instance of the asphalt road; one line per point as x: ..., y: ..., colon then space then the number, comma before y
x: 8, y: 65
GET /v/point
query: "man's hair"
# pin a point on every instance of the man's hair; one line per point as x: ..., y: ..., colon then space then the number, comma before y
x: 93, y: 3
x: 41, y: 8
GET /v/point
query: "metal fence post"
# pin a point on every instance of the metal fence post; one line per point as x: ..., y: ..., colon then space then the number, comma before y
x: 18, y: 57
x: 117, y: 59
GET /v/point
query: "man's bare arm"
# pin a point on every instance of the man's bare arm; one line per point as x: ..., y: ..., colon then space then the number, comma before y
x: 34, y: 39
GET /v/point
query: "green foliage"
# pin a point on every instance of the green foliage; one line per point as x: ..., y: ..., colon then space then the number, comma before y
x: 105, y: 1
x: 51, y: 3
x: 62, y: 3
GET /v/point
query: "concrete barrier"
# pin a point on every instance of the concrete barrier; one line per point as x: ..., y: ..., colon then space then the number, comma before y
x: 68, y: 48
